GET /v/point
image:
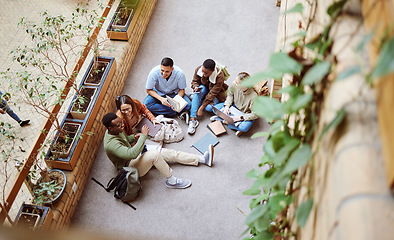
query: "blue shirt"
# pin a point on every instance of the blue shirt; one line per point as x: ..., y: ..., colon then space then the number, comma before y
x: 163, y: 86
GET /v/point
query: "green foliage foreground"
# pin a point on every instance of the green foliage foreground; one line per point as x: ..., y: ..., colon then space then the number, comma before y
x: 289, y: 139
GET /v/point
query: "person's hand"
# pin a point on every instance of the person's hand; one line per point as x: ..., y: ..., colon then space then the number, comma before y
x: 165, y: 102
x: 155, y: 122
x: 145, y: 130
x: 226, y: 110
x: 137, y: 135
x: 199, y: 111
x: 236, y: 118
x: 2, y: 111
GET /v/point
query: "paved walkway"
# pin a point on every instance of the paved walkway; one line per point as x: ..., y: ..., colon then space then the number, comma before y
x: 238, y: 34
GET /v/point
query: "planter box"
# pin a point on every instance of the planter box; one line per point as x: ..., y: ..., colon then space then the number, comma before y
x: 117, y: 31
x: 61, y: 152
x: 81, y: 112
x: 68, y: 163
x: 34, y: 217
x: 100, y: 73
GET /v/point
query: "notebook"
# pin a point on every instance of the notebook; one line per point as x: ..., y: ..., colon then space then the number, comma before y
x: 216, y: 127
x: 152, y: 129
x: 202, y: 144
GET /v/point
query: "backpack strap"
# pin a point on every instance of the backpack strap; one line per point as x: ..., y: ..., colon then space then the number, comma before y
x: 130, y: 205
x: 99, y: 183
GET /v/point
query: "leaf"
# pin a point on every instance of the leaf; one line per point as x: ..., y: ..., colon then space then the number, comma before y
x: 269, y: 148
x: 335, y: 8
x: 301, y: 102
x: 303, y: 211
x: 348, y: 72
x: 385, y: 63
x: 265, y: 235
x: 335, y: 122
x: 297, y: 159
x: 283, y: 63
x: 298, y: 8
x: 285, y: 151
x: 259, y: 77
x: 316, y: 73
x: 260, y: 134
x: 269, y: 108
x: 254, y: 173
x: 256, y: 213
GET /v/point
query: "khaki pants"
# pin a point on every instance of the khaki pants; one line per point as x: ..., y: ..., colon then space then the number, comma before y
x: 158, y: 159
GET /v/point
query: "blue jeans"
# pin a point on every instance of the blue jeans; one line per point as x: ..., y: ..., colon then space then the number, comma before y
x: 157, y: 108
x: 4, y: 105
x: 244, y: 126
x: 197, y: 101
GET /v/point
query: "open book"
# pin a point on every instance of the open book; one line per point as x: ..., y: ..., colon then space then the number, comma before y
x: 178, y: 103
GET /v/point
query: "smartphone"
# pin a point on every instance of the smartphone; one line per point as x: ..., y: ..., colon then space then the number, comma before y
x: 198, y: 90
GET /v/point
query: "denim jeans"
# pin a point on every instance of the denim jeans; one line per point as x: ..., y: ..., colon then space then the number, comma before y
x: 197, y: 101
x: 244, y: 126
x: 157, y: 108
x: 4, y: 105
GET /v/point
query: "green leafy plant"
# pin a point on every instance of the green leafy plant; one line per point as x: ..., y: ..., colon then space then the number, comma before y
x: 293, y: 137
x: 46, y: 191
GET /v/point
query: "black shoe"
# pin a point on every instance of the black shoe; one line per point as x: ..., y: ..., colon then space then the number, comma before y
x: 24, y: 123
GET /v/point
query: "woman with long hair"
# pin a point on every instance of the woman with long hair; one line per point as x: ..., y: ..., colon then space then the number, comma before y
x: 131, y: 110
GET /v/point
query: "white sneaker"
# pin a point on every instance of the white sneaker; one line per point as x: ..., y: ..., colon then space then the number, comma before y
x: 184, y: 116
x: 193, y: 124
x: 180, y: 183
x: 238, y: 133
x: 208, y: 155
x: 215, y: 118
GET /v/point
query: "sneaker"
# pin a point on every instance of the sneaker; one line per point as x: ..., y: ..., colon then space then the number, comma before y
x: 193, y: 124
x: 184, y: 117
x: 24, y: 123
x: 238, y: 133
x: 215, y: 118
x: 208, y: 155
x: 180, y: 183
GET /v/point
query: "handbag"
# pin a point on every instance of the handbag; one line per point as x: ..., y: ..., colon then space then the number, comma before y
x: 169, y: 132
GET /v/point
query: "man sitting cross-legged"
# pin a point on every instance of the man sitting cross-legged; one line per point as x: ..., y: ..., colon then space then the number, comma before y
x: 119, y: 149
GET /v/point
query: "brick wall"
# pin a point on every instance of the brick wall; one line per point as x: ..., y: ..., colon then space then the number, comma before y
x: 347, y: 178
x: 124, y: 53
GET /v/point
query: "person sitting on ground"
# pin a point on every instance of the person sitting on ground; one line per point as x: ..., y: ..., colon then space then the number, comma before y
x: 117, y: 146
x: 5, y: 108
x: 242, y: 98
x: 166, y: 80
x: 130, y: 110
x: 209, y: 88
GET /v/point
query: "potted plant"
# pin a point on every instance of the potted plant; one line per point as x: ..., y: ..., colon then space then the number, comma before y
x: 34, y: 217
x: 124, y: 19
x: 63, y: 143
x: 82, y: 102
x: 49, y: 187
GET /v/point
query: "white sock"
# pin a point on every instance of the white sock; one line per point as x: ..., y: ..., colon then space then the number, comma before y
x: 201, y: 159
x: 171, y: 180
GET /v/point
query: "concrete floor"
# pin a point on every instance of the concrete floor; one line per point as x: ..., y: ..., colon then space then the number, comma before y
x: 239, y: 34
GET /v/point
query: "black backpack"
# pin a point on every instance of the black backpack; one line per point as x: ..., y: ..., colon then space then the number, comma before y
x: 127, y: 185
